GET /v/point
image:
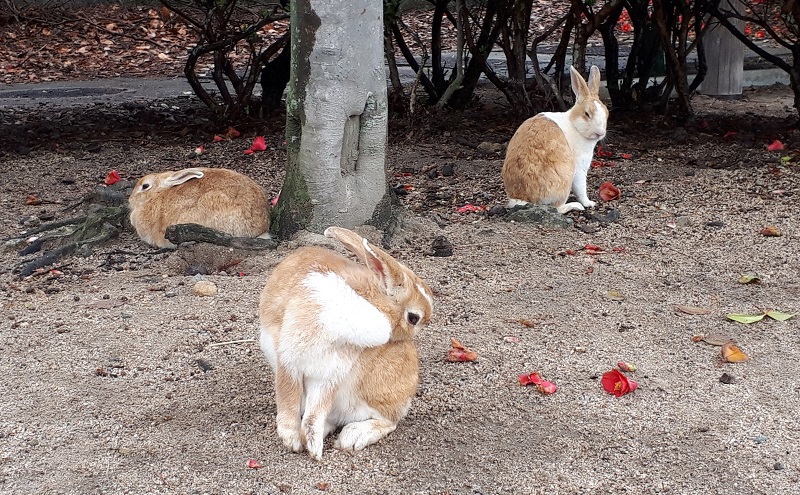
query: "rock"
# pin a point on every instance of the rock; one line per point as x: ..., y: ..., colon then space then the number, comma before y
x: 546, y: 216
x: 727, y: 379
x: 490, y: 147
x: 715, y: 223
x: 204, y: 288
x: 171, y: 293
x: 497, y: 210
x: 448, y: 170
x: 610, y: 216
x: 442, y: 247
x: 683, y: 221
x: 204, y: 365
x: 779, y: 466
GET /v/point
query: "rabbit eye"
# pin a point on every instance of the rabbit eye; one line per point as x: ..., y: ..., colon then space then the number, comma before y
x: 145, y: 186
x: 413, y: 318
x: 587, y: 115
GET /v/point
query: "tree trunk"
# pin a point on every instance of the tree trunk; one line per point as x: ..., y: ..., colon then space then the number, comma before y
x: 725, y: 57
x: 336, y: 118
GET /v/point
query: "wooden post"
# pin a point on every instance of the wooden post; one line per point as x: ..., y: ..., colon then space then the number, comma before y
x: 724, y: 57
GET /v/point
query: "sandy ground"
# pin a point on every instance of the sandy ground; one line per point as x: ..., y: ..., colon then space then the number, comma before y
x: 111, y: 382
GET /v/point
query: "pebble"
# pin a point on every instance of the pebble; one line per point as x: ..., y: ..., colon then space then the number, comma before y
x: 204, y: 288
x: 126, y: 315
x: 171, y: 293
x: 779, y: 466
x: 760, y: 439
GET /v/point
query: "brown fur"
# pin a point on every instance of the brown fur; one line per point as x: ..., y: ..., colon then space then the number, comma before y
x: 539, y: 164
x: 222, y: 199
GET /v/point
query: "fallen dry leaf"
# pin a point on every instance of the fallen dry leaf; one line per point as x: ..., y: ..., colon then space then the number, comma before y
x: 254, y: 464
x: 615, y: 295
x: 771, y: 231
x: 749, y: 278
x: 526, y: 323
x: 732, y: 354
x: 625, y: 366
x: 323, y: 486
x: 33, y: 200
x: 692, y: 310
x: 458, y: 353
x: 512, y: 339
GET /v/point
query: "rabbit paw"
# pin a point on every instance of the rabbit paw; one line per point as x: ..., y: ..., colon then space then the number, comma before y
x: 290, y: 438
x: 588, y: 203
x: 356, y: 436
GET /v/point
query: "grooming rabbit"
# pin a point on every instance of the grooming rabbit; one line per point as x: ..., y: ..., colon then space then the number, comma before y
x: 213, y: 197
x: 552, y: 152
x: 338, y: 335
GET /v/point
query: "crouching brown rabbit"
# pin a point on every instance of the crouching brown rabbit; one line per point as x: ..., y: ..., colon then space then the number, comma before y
x: 338, y: 336
x: 217, y: 198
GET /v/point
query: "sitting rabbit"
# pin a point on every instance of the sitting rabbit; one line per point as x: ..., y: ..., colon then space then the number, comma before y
x: 338, y: 336
x: 551, y: 152
x: 213, y: 197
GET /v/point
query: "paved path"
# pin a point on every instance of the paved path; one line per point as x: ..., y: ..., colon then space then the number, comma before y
x: 120, y: 90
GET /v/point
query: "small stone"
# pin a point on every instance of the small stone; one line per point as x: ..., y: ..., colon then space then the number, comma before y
x: 727, y: 379
x: 204, y: 365
x: 432, y: 173
x: 715, y: 223
x: 171, y: 293
x: 579, y: 349
x: 760, y: 439
x: 204, y: 288
x: 779, y: 466
x: 497, y: 210
x: 442, y: 247
x: 76, y: 298
x: 490, y: 147
x: 683, y: 221
x: 126, y: 315
x: 68, y: 181
x: 448, y: 170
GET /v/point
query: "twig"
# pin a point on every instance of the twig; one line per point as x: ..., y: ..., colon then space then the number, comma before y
x: 243, y: 341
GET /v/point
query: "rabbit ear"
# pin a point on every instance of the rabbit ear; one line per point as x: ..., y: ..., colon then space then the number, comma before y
x: 594, y: 80
x: 182, y: 176
x: 383, y: 266
x: 579, y: 86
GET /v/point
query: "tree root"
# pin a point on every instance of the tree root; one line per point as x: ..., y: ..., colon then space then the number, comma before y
x: 187, y: 232
x: 59, y: 240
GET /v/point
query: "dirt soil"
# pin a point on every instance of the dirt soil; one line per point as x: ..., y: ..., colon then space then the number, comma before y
x: 118, y: 379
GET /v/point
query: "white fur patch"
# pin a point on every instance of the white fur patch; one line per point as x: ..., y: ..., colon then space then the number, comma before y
x: 344, y: 314
x: 515, y: 202
x: 425, y: 294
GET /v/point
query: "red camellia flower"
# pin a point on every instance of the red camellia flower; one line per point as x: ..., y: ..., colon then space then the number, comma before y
x: 775, y: 146
x: 614, y: 382
x: 111, y: 178
x: 541, y: 384
x: 608, y: 191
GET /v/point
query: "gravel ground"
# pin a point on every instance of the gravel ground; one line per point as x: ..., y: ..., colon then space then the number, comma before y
x: 112, y: 382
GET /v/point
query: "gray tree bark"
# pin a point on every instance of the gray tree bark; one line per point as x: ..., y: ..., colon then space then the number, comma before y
x: 336, y: 118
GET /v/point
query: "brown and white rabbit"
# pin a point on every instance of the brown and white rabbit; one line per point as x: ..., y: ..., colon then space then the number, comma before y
x: 338, y: 335
x: 213, y: 197
x: 552, y: 152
